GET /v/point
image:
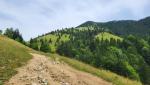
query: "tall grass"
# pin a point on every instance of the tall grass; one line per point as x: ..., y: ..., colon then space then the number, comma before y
x: 104, y: 74
x: 12, y: 55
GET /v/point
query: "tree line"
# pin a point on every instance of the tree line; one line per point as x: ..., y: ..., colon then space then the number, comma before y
x: 13, y: 34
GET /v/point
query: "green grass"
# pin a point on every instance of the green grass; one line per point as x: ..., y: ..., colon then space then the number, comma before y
x: 107, y: 36
x: 104, y: 74
x: 53, y: 37
x: 12, y: 56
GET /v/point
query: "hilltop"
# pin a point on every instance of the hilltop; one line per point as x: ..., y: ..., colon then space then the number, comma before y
x: 123, y: 27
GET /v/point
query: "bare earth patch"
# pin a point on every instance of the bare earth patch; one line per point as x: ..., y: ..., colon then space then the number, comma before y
x: 43, y: 71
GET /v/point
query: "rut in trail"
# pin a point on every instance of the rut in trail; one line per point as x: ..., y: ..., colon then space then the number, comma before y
x: 41, y: 70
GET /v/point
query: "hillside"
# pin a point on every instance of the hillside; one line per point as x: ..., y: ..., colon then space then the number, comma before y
x: 104, y: 47
x: 101, y: 47
x: 15, y: 55
x: 53, y: 39
x: 12, y: 56
x: 123, y: 27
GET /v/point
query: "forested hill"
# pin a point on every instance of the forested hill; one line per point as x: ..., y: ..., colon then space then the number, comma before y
x: 123, y: 27
x: 102, y: 46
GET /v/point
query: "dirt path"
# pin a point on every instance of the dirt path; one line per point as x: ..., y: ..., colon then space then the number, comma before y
x: 42, y: 71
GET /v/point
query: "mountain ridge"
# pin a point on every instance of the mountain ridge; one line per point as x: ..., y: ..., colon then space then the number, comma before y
x: 123, y: 27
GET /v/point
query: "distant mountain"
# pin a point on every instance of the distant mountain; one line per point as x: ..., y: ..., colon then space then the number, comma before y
x: 123, y: 27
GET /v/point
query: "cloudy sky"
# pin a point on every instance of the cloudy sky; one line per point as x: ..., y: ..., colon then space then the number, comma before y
x: 35, y: 17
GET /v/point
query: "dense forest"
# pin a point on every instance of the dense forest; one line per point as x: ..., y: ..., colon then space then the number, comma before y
x: 119, y: 46
x: 127, y: 55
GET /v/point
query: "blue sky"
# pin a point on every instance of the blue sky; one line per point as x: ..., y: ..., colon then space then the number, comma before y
x: 35, y: 17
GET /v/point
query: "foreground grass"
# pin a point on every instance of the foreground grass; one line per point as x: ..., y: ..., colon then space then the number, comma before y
x: 104, y: 74
x: 12, y: 56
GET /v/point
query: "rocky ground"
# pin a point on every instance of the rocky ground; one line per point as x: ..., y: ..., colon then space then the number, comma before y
x: 44, y: 71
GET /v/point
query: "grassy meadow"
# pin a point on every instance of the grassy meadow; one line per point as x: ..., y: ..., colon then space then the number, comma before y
x: 12, y: 56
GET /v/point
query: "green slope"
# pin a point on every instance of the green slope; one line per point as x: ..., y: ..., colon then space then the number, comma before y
x: 54, y: 38
x: 107, y: 36
x: 12, y: 56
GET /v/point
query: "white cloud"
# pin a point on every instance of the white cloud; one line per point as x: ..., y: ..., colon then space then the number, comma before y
x: 35, y: 17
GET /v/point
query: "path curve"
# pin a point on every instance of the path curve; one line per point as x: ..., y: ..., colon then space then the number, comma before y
x: 41, y: 70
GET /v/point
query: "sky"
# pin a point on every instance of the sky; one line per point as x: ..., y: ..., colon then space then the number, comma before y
x: 36, y: 17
